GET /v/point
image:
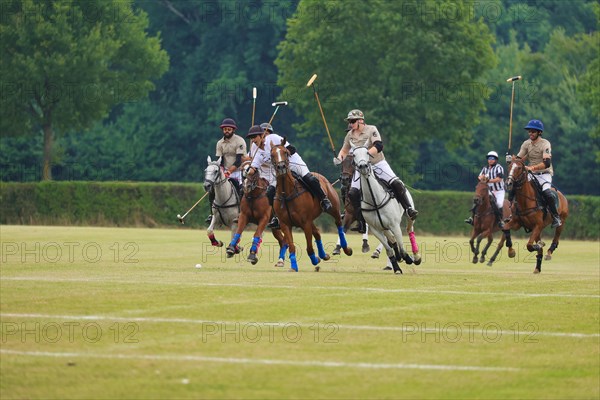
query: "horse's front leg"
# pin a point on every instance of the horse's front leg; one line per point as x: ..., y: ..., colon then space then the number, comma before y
x: 474, y: 249
x: 289, y: 238
x: 413, y: 242
x: 500, y: 245
x: 210, y: 231
x: 310, y: 250
x: 389, y: 251
x: 487, y: 246
x: 509, y: 244
x: 320, y: 249
x: 283, y: 246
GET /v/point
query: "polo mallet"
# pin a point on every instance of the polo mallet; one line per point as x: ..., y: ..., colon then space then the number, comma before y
x: 277, y: 104
x: 253, y: 104
x: 512, y: 101
x: 181, y: 218
x: 311, y: 82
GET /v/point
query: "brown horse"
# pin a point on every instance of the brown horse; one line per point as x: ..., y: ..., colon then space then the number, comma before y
x: 255, y: 208
x: 528, y: 211
x: 294, y: 205
x: 484, y: 223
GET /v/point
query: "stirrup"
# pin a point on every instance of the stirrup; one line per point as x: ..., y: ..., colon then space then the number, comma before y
x: 556, y: 222
x: 326, y: 204
x: 469, y: 221
x: 274, y: 224
x: 208, y: 219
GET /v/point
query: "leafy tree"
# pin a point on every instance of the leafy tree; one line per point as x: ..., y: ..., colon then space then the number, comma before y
x: 67, y: 64
x: 414, y: 68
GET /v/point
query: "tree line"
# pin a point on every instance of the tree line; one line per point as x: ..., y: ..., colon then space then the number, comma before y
x: 431, y: 75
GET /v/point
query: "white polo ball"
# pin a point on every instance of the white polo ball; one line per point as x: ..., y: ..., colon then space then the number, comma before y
x: 198, y: 266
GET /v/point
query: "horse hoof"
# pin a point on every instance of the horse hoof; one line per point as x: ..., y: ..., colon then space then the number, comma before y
x: 489, y: 264
x: 548, y: 257
x: 399, y: 272
x: 537, y: 271
x: 252, y: 258
x: 317, y: 268
x: 388, y: 268
x: 348, y: 251
x: 512, y: 253
x: 279, y: 263
x: 365, y: 247
x: 474, y: 259
x: 408, y: 260
x: 230, y: 251
x: 482, y: 260
x: 336, y: 251
x: 292, y: 270
x: 417, y: 259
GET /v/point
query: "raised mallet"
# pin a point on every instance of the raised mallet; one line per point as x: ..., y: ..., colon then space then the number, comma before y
x: 512, y: 101
x: 253, y: 104
x: 181, y: 218
x: 276, y: 104
x: 311, y: 82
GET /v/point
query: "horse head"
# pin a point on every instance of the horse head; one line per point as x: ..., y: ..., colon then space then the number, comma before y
x: 481, y: 192
x: 213, y: 175
x: 253, y: 182
x: 516, y: 174
x: 361, y: 160
x: 280, y: 158
x: 347, y: 170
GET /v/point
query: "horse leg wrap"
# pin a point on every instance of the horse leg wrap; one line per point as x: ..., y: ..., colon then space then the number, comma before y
x: 235, y: 240
x: 553, y: 247
x: 314, y: 259
x: 413, y: 242
x: 508, y: 238
x: 342, y: 236
x: 320, y: 249
x: 213, y: 240
x: 282, y: 251
x: 293, y: 262
x: 255, y: 244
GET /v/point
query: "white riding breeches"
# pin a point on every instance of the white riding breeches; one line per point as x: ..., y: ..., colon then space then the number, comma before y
x: 298, y: 165
x: 545, y: 180
x: 499, y: 197
x: 382, y: 170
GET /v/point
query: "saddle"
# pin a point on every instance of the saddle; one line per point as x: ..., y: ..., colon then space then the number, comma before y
x: 541, y: 199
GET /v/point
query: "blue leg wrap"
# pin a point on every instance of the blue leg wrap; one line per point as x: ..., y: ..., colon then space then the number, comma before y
x: 282, y: 251
x: 320, y: 249
x: 313, y: 259
x: 235, y: 240
x: 255, y: 243
x: 293, y: 262
x: 342, y: 236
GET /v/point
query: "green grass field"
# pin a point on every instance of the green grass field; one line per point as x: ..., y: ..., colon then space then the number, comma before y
x: 124, y: 313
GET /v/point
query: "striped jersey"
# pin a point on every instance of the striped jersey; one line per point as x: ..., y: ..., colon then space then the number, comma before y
x: 492, y: 172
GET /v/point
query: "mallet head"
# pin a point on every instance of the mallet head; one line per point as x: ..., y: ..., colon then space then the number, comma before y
x: 514, y: 78
x: 254, y: 93
x: 280, y: 103
x: 311, y: 80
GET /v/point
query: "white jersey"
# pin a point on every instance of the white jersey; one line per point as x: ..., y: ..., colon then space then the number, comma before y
x: 296, y: 163
x: 262, y: 163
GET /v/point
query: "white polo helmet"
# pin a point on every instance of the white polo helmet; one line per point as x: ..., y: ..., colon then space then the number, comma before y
x: 492, y: 154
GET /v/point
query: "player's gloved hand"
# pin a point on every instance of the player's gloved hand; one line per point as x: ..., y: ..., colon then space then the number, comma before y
x: 508, y: 158
x: 227, y: 173
x: 336, y: 161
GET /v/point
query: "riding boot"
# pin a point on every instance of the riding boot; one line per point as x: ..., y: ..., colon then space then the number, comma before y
x: 556, y: 222
x: 211, y: 200
x: 472, y: 210
x: 315, y: 187
x: 354, y: 196
x: 400, y: 193
x: 274, y: 224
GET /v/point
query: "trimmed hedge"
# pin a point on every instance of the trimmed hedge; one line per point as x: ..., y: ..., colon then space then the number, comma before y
x: 147, y: 204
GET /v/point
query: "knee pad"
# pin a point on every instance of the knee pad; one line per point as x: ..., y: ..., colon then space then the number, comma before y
x: 271, y: 194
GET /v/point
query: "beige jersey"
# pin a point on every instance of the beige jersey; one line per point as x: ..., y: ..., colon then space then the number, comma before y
x: 536, y: 152
x: 366, y: 138
x: 230, y: 148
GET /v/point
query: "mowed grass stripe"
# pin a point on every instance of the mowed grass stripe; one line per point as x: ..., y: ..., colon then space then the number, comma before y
x: 259, y: 361
x: 282, y: 324
x: 300, y: 287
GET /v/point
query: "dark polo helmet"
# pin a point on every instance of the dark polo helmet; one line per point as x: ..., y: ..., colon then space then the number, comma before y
x: 228, y: 122
x: 254, y: 130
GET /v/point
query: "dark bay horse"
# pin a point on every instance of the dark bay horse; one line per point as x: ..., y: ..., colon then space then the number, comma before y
x: 294, y: 205
x: 484, y: 223
x: 255, y: 208
x: 528, y: 211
